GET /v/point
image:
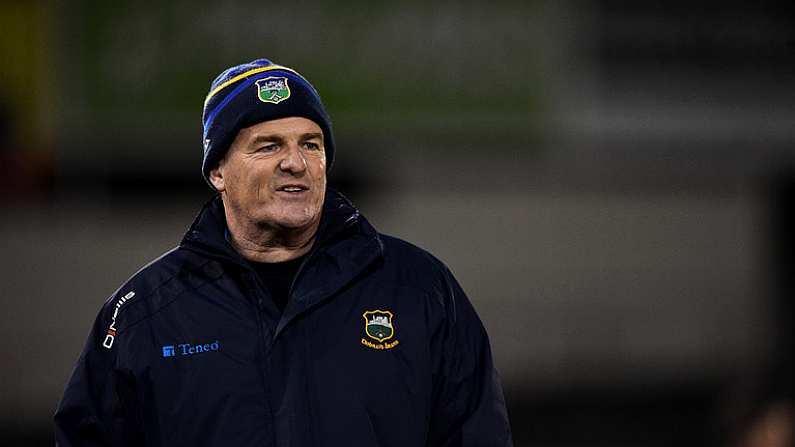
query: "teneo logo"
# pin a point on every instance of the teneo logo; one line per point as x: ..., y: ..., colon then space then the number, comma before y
x: 189, y: 349
x: 111, y: 335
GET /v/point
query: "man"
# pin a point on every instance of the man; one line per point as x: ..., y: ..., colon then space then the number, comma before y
x: 283, y: 318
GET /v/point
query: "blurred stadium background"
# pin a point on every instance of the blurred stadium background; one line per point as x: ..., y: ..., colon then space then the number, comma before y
x: 611, y: 181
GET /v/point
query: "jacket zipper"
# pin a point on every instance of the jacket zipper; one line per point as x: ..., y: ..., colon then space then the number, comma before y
x: 256, y: 288
x: 297, y: 273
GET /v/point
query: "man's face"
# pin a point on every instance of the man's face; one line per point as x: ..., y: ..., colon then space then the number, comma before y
x: 274, y: 174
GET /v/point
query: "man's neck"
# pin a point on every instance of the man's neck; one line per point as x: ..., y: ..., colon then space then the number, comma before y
x: 267, y: 244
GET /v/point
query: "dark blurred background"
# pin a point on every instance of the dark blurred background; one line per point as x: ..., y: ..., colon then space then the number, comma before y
x: 611, y: 181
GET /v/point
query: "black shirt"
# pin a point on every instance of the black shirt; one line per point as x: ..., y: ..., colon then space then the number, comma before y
x: 278, y: 277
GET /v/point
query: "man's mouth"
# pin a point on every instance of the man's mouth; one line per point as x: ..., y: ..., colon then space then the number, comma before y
x: 292, y: 188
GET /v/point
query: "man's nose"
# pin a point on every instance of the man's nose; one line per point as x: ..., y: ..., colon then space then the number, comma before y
x: 293, y: 160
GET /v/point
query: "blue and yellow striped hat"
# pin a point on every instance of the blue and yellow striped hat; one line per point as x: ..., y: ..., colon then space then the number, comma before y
x: 251, y: 93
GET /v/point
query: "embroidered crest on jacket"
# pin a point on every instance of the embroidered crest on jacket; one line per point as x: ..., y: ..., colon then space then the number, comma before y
x: 379, y: 326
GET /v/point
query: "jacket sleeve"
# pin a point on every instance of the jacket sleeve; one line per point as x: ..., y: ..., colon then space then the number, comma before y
x: 92, y: 410
x: 468, y: 408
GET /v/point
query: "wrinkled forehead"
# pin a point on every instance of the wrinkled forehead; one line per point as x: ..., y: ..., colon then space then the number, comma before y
x: 294, y: 127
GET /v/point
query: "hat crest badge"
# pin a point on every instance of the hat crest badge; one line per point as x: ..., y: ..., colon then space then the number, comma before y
x: 273, y: 89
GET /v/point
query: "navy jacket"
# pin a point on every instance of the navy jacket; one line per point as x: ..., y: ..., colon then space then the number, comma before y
x: 378, y: 346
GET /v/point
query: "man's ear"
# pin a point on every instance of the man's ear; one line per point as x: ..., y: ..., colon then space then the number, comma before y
x: 217, y: 177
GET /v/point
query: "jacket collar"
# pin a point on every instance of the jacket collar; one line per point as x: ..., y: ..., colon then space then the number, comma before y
x: 340, y: 218
x: 345, y: 245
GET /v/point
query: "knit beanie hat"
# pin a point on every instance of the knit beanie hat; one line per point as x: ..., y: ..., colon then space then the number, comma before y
x: 251, y: 93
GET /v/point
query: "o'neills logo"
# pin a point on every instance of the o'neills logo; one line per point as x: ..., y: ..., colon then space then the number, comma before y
x: 111, y: 335
x: 378, y: 326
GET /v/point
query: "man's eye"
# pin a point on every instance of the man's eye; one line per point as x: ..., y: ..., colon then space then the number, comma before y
x: 312, y: 146
x: 268, y: 148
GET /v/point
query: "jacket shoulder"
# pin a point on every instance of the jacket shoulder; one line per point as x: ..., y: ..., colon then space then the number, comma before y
x: 410, y: 255
x: 157, y: 284
x: 416, y: 266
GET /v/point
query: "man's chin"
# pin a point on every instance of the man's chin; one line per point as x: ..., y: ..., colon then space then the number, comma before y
x: 292, y: 222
